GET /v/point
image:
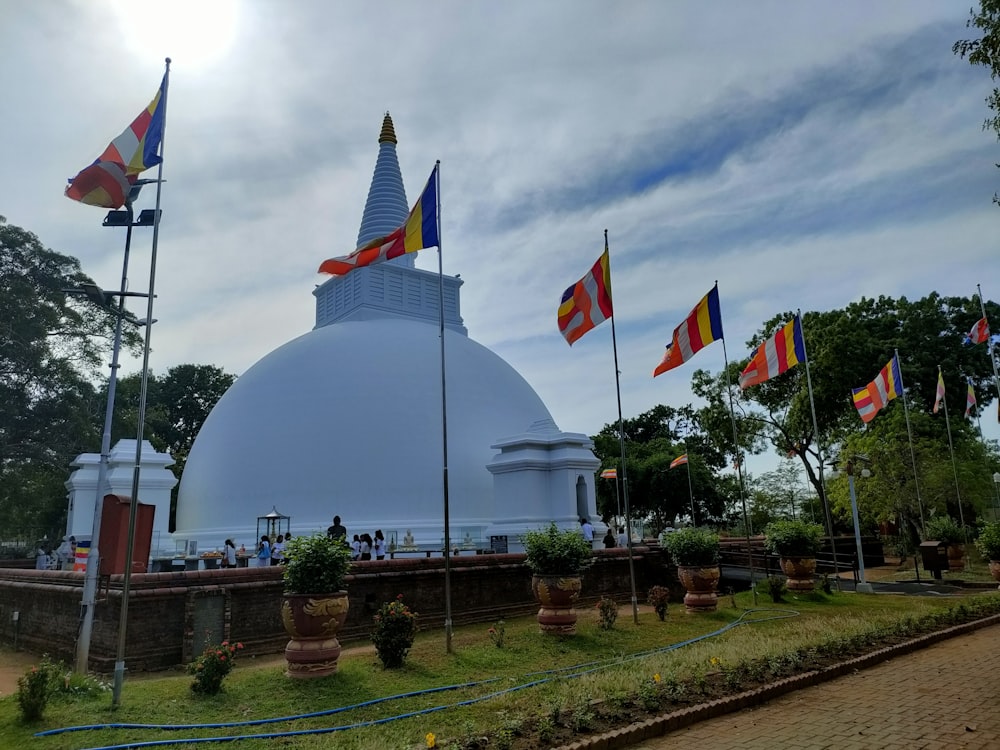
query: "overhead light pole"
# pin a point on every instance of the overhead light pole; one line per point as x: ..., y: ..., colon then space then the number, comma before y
x: 104, y: 299
x: 863, y: 586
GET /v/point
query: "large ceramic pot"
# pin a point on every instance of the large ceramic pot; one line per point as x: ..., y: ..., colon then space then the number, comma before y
x: 956, y: 556
x: 556, y: 595
x: 995, y: 570
x: 799, y: 572
x: 702, y: 585
x: 312, y: 623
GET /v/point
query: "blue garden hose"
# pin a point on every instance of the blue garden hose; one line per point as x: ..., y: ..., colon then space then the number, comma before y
x: 569, y: 673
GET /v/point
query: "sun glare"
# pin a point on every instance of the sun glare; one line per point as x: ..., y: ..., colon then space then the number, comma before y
x: 194, y: 33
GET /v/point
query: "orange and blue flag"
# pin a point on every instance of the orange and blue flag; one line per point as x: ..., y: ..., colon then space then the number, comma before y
x: 873, y: 397
x: 701, y: 327
x: 420, y: 231
x: 109, y: 179
x: 679, y: 461
x: 970, y: 398
x: 783, y: 350
x: 587, y: 303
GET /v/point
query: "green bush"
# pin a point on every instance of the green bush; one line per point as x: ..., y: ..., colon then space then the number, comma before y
x: 394, y: 631
x: 607, y: 611
x: 774, y: 586
x: 211, y: 668
x: 550, y: 551
x: 316, y: 564
x: 657, y: 598
x: 36, y: 686
x: 793, y: 538
x: 943, y: 529
x: 693, y: 546
x: 988, y: 542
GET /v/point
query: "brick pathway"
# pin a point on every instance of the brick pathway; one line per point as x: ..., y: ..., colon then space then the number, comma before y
x: 941, y: 697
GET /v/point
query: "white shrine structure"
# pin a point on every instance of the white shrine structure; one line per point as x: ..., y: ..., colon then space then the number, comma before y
x: 347, y: 420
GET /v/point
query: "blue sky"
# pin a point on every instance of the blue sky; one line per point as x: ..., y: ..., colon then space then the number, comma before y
x: 803, y: 155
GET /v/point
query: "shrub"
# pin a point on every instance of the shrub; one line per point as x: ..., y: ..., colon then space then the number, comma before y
x: 988, y: 542
x: 607, y: 610
x: 693, y: 546
x: 550, y: 551
x: 657, y: 598
x: 793, y: 538
x: 943, y: 529
x: 211, y: 668
x: 395, y: 629
x: 35, y: 687
x: 316, y: 564
x: 773, y: 586
x: 498, y: 633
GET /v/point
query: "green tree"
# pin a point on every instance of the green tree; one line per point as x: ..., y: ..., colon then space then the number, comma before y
x: 51, y: 348
x: 652, y: 441
x: 847, y: 348
x: 985, y: 51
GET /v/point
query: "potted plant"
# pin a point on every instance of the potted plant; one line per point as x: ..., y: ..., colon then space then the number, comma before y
x: 796, y: 543
x: 988, y: 544
x: 695, y: 552
x: 944, y: 529
x: 557, y: 560
x: 315, y: 604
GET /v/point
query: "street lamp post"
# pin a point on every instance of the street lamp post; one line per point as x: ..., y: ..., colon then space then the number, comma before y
x: 104, y: 299
x: 996, y: 484
x: 863, y: 586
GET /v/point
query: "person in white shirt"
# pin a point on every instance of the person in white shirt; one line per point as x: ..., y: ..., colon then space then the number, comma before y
x: 229, y: 554
x: 356, y: 548
x: 587, y: 528
x: 278, y: 550
x: 379, y: 549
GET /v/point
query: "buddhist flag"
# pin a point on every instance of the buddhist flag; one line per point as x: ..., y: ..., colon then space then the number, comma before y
x: 970, y: 399
x: 419, y: 231
x: 874, y: 396
x: 107, y: 181
x: 587, y: 303
x: 980, y: 332
x: 609, y: 474
x: 783, y: 350
x: 679, y: 461
x: 699, y: 329
x: 939, y: 392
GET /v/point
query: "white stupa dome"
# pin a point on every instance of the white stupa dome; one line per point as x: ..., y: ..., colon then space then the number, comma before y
x: 347, y: 420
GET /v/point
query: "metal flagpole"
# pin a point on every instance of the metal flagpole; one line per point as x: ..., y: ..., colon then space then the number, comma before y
x: 909, y: 436
x: 134, y: 500
x: 687, y: 465
x: 954, y: 466
x: 621, y: 442
x: 90, y: 577
x: 444, y: 423
x: 739, y: 462
x: 819, y: 449
x: 982, y: 440
x: 989, y: 351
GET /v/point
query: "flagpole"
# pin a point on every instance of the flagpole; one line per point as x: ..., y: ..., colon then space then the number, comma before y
x: 979, y: 424
x: 989, y: 351
x: 621, y: 442
x: 954, y: 466
x: 739, y: 462
x: 909, y: 436
x: 687, y: 464
x: 444, y: 423
x: 134, y: 500
x: 824, y: 500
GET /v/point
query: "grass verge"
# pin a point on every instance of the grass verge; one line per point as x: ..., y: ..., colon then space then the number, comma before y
x: 610, y: 690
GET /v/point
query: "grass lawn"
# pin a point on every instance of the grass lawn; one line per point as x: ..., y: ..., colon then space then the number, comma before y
x: 517, y: 713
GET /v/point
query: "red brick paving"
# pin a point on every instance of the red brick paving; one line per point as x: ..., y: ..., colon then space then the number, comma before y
x: 938, y: 698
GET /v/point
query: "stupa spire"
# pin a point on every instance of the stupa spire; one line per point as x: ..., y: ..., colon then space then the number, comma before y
x: 386, y: 208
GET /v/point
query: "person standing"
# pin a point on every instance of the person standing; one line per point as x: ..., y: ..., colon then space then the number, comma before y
x: 587, y: 529
x: 337, y: 530
x: 366, y: 546
x: 379, y: 549
x: 609, y: 539
x: 229, y: 554
x: 356, y: 548
x: 278, y: 550
x: 263, y: 552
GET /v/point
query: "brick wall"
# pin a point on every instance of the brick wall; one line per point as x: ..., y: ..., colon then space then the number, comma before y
x: 172, y: 615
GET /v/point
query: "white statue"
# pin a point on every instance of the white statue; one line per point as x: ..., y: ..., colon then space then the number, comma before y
x: 408, y: 539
